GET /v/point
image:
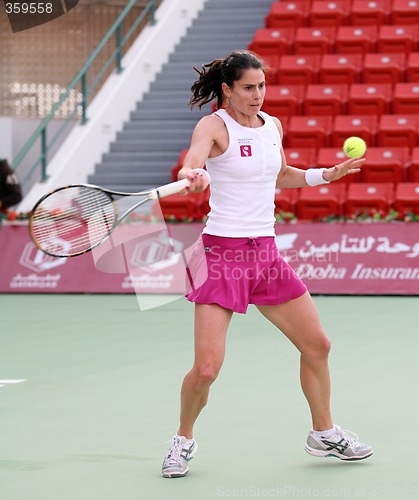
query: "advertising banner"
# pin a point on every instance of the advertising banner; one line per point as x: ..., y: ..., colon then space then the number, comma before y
x: 347, y: 258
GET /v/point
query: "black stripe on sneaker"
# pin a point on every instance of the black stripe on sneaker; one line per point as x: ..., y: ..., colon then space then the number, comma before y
x: 341, y: 446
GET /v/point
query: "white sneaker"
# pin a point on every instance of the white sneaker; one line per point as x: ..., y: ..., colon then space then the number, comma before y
x: 343, y: 445
x: 180, y: 453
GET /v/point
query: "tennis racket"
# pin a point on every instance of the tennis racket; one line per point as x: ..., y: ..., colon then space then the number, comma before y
x: 74, y: 219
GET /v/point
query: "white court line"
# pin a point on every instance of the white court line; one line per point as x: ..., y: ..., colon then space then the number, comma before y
x: 10, y: 381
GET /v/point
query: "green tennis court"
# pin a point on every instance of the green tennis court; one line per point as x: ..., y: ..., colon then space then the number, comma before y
x: 97, y: 402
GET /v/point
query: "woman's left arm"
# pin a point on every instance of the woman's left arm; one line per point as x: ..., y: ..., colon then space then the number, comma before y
x: 290, y: 177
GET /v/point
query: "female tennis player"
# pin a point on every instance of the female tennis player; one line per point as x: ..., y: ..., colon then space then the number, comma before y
x: 236, y: 263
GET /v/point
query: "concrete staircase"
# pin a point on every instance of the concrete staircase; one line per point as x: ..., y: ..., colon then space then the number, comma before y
x: 162, y: 123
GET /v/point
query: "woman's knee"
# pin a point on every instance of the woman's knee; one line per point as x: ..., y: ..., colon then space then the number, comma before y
x: 319, y: 349
x: 325, y: 344
x: 206, y: 374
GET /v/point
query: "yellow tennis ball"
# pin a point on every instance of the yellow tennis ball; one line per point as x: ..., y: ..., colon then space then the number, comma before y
x: 354, y: 147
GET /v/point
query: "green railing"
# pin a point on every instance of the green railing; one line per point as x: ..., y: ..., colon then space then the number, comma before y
x: 80, y: 107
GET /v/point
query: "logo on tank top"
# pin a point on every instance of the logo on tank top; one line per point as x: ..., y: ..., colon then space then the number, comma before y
x: 246, y: 150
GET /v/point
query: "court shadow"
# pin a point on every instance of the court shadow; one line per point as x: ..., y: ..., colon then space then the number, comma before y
x: 333, y: 463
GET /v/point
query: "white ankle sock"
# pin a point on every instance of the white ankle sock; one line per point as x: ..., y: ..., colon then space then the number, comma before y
x: 326, y: 434
x: 188, y: 441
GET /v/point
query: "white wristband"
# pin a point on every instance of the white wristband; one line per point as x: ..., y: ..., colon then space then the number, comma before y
x: 314, y: 176
x: 203, y: 171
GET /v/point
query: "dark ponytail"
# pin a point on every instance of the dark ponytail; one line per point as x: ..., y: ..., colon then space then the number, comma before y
x: 213, y: 74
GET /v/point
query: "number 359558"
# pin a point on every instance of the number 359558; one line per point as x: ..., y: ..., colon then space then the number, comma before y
x: 29, y: 8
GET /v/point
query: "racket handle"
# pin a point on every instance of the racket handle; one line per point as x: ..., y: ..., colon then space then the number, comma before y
x: 172, y: 188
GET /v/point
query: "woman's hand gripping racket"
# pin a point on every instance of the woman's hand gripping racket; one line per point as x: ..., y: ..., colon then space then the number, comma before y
x: 74, y: 219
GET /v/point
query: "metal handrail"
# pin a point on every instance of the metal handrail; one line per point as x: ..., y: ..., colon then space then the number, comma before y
x: 81, y: 77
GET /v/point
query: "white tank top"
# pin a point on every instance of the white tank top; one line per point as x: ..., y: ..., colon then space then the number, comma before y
x: 243, y: 180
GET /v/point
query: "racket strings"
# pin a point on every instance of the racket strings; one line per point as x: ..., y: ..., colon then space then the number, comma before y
x: 73, y: 220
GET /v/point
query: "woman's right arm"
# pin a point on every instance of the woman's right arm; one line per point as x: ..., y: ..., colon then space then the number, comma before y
x: 203, y: 139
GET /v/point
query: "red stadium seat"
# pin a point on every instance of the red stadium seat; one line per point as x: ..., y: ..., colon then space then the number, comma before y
x: 405, y: 12
x: 360, y: 40
x: 329, y: 157
x: 363, y: 197
x: 412, y: 69
x: 332, y: 13
x: 407, y: 197
x: 303, y: 158
x: 271, y: 63
x: 398, y: 130
x: 384, y: 68
x: 309, y: 131
x: 283, y: 100
x: 386, y: 165
x: 414, y: 166
x: 370, y: 98
x: 364, y: 126
x: 288, y: 14
x: 318, y: 40
x: 367, y: 13
x: 397, y: 38
x: 285, y: 199
x: 298, y: 69
x: 175, y: 169
x: 272, y: 41
x: 406, y: 98
x: 321, y: 201
x: 325, y: 99
x: 339, y: 68
x: 204, y: 206
x: 284, y: 122
x: 181, y: 207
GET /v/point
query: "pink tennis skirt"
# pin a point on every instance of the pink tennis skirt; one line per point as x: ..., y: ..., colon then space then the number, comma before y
x: 236, y: 272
